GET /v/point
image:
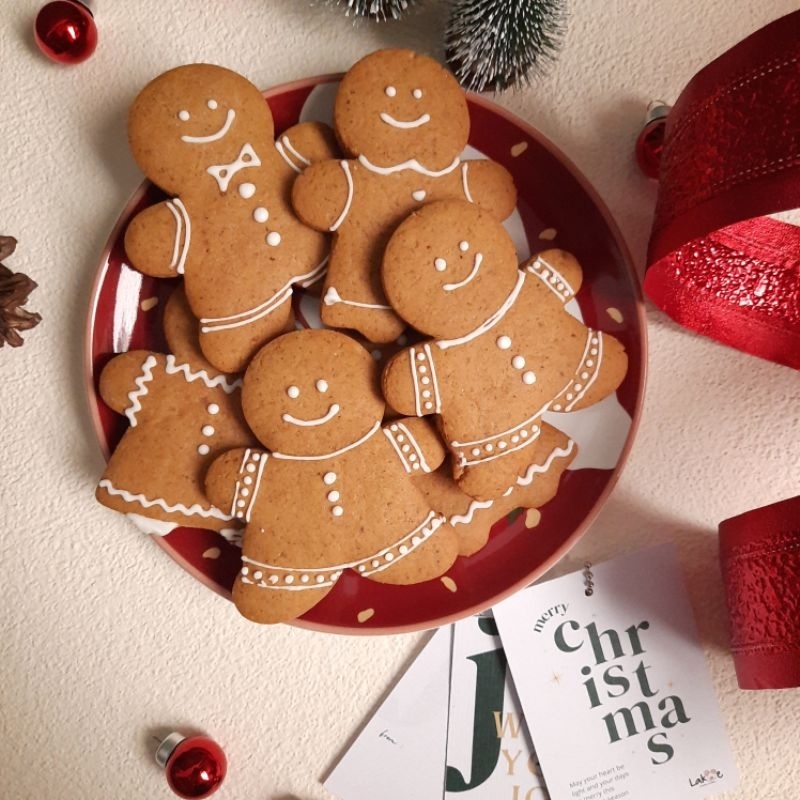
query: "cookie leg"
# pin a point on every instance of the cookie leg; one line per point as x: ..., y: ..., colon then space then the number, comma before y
x: 377, y: 322
x: 229, y: 343
x: 428, y: 560
x: 269, y: 605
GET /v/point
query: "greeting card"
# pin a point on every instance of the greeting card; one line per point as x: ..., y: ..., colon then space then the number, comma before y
x: 614, y: 683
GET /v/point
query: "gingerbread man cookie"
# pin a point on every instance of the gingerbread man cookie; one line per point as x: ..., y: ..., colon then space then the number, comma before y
x: 504, y: 349
x: 404, y: 121
x: 334, y: 489
x: 205, y: 135
x: 182, y: 414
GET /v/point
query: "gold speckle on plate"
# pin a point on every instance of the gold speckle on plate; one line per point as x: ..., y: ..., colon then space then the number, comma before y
x: 532, y: 518
x: 449, y: 583
x: 366, y: 614
x: 548, y: 234
x: 212, y: 552
x: 148, y: 303
x: 518, y: 149
x: 615, y: 314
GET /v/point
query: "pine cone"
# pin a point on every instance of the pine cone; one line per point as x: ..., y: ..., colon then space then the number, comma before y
x: 14, y: 290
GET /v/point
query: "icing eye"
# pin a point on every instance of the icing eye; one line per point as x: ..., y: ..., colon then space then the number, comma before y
x: 322, y: 385
x: 439, y: 264
x: 183, y: 116
x: 293, y: 392
x: 212, y: 104
x: 463, y: 246
x: 417, y: 93
x: 390, y: 91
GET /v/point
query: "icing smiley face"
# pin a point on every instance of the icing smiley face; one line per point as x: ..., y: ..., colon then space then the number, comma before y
x: 461, y: 275
x: 209, y: 128
x: 395, y: 106
x: 311, y: 392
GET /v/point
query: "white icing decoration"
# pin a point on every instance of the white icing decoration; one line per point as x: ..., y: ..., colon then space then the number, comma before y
x: 463, y: 246
x: 555, y: 281
x: 332, y: 297
x: 322, y: 385
x: 213, y: 408
x: 134, y: 397
x: 223, y: 173
x: 183, y: 225
x: 154, y: 527
x: 208, y: 430
x: 213, y: 137
x: 419, y: 195
x: 518, y: 362
x: 504, y: 342
x: 529, y: 378
x: 535, y: 469
x: 247, y: 190
x: 282, y: 145
x: 333, y: 496
x: 221, y: 381
x: 328, y: 478
x: 459, y: 519
x: 333, y: 410
x: 348, y: 202
x: 417, y: 93
x: 293, y: 392
x: 180, y: 508
x: 390, y: 91
x: 450, y: 287
x: 444, y: 344
x: 411, y: 164
x: 440, y: 264
x: 184, y: 115
x: 325, y: 456
x: 240, y: 491
x: 422, y: 119
x: 203, y: 449
x: 465, y: 182
x: 337, y: 511
x: 260, y: 214
x: 273, y: 238
x: 212, y: 324
x: 212, y: 104
x: 419, y: 362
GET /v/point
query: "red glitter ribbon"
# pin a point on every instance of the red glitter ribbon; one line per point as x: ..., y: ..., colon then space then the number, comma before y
x: 760, y: 557
x: 731, y: 155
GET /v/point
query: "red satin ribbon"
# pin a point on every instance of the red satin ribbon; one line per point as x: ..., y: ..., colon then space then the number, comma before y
x: 731, y: 155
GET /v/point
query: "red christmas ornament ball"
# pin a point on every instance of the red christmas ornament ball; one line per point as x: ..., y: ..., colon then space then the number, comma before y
x: 650, y: 142
x: 65, y: 31
x: 195, y: 766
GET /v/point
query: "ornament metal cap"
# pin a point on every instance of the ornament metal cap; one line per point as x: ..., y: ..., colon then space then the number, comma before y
x: 656, y: 109
x: 167, y: 747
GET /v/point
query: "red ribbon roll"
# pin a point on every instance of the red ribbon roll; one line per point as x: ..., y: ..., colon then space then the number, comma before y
x: 731, y: 155
x: 760, y: 557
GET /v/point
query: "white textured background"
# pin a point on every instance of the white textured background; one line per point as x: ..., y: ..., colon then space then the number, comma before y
x: 103, y: 639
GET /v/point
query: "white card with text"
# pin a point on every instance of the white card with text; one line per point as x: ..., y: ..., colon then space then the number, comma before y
x: 614, y: 686
x: 489, y: 752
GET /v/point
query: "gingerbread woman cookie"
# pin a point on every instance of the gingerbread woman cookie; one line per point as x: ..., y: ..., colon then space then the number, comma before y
x: 334, y: 489
x: 504, y: 349
x: 403, y: 121
x: 182, y: 414
x: 205, y: 135
x: 473, y: 519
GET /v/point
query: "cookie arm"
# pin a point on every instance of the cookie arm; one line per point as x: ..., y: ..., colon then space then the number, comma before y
x: 157, y: 239
x: 233, y: 480
x: 306, y: 143
x: 409, y: 382
x: 489, y: 185
x: 559, y: 270
x: 126, y: 379
x: 416, y: 444
x: 323, y: 193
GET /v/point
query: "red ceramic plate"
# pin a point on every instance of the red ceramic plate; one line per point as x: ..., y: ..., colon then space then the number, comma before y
x: 556, y: 207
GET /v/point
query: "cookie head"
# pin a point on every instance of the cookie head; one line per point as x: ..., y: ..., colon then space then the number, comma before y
x: 448, y: 267
x: 396, y: 105
x: 312, y: 392
x: 193, y: 117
